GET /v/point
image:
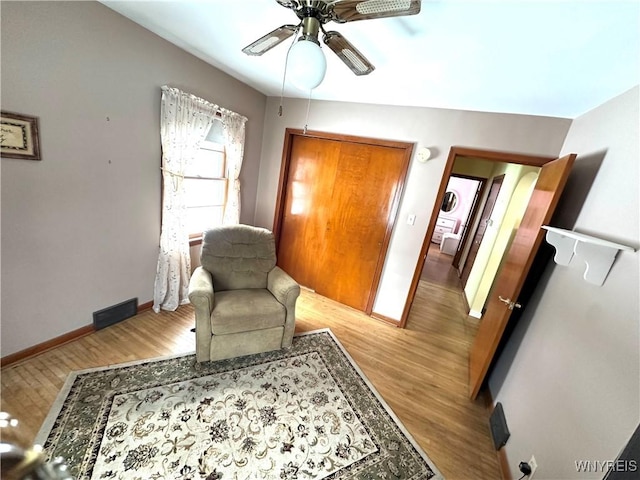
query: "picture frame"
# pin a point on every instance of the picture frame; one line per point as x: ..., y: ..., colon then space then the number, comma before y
x: 19, y: 136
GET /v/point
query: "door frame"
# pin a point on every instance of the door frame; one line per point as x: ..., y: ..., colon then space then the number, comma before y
x: 454, y: 153
x: 289, y: 135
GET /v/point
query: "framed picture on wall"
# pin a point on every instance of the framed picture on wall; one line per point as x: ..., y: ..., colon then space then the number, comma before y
x: 19, y: 136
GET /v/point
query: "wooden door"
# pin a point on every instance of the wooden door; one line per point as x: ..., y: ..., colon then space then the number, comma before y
x: 367, y: 180
x: 465, y: 230
x: 551, y: 181
x: 340, y: 202
x: 494, y: 190
x: 312, y: 169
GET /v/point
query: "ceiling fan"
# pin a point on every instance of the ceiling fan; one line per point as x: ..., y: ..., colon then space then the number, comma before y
x: 314, y: 14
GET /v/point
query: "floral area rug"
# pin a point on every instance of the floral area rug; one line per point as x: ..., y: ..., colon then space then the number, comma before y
x: 306, y: 412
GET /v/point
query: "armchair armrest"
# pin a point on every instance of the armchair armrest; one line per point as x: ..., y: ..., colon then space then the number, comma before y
x: 283, y: 287
x: 201, y: 295
x: 286, y: 291
x: 201, y: 290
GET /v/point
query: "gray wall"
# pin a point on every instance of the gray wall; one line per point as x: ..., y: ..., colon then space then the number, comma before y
x: 80, y: 229
x: 438, y: 129
x: 569, y: 379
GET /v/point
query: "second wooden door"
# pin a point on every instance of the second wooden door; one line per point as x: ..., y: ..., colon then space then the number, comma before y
x: 494, y: 190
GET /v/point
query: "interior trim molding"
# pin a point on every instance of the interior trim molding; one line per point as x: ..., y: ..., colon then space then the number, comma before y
x: 145, y: 306
x: 385, y: 319
x: 57, y: 341
x: 48, y: 345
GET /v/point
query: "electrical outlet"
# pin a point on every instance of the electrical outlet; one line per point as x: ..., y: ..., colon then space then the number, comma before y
x: 534, y: 465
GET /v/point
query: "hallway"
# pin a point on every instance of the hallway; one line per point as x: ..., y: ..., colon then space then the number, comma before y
x: 438, y: 269
x: 439, y: 307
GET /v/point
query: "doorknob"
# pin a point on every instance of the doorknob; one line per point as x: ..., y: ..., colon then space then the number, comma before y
x: 509, y: 303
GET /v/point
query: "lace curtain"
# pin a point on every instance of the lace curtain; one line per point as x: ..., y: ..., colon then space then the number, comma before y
x: 234, y: 126
x: 185, y: 120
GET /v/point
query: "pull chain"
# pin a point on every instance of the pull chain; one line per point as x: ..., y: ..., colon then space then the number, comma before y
x: 306, y: 123
x: 284, y: 75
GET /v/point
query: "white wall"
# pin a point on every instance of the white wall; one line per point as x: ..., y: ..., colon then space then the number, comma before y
x: 569, y: 379
x: 438, y: 129
x: 80, y: 229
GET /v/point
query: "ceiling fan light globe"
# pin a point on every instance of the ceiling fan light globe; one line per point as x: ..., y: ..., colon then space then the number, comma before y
x: 306, y: 65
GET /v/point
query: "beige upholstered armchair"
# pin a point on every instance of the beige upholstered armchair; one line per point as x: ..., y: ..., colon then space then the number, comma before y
x: 244, y: 304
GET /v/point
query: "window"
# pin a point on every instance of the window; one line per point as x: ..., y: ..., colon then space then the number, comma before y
x: 205, y: 182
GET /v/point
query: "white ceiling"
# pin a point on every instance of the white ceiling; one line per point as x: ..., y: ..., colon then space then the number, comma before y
x: 545, y: 57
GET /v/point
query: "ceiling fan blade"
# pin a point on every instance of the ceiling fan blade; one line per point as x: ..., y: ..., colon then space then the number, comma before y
x: 352, y: 10
x: 293, y: 4
x: 270, y: 40
x: 348, y: 53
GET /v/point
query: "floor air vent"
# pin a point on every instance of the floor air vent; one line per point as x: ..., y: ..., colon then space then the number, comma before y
x: 114, y: 314
x: 498, y: 423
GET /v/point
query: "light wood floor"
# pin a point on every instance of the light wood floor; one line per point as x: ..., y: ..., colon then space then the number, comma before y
x: 438, y: 269
x: 421, y: 371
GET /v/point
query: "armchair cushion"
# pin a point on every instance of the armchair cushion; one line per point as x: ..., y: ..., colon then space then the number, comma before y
x: 238, y: 256
x: 246, y: 310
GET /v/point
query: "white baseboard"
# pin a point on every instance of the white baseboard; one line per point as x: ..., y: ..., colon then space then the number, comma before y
x: 474, y: 314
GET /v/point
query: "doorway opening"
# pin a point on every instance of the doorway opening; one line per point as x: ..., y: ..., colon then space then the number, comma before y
x: 507, y: 253
x: 454, y: 223
x: 473, y: 232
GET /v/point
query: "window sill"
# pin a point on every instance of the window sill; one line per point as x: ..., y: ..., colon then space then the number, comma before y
x: 193, y: 241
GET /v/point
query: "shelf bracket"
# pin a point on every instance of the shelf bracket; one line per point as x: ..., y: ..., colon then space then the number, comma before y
x: 564, y: 247
x: 598, y: 254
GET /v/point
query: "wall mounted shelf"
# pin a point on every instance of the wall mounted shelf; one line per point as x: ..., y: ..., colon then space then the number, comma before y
x: 598, y: 254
